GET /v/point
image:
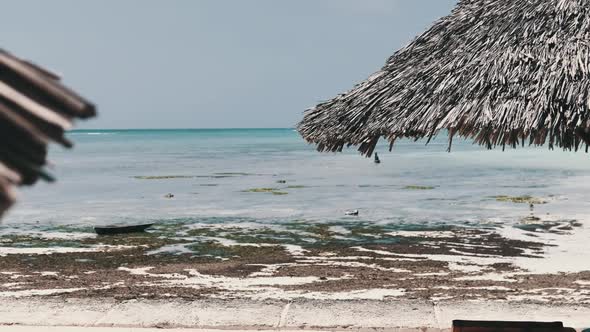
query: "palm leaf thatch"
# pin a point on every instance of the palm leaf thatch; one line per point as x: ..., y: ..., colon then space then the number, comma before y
x: 503, y: 72
x: 35, y: 109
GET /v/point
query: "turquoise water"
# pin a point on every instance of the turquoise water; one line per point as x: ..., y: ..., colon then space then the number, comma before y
x: 98, y: 181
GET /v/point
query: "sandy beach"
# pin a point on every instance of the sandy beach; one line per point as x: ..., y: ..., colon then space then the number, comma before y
x: 362, y: 263
x: 409, y: 279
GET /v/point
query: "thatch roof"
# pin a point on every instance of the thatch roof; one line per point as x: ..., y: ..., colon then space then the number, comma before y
x: 35, y: 109
x: 503, y: 72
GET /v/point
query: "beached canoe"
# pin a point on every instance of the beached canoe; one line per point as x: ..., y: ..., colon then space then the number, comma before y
x: 121, y: 229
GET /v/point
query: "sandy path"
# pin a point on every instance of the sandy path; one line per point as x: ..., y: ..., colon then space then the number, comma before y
x: 246, y: 314
x: 113, y: 329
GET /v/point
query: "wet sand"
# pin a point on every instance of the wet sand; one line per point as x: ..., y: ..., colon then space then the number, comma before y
x: 302, y: 275
x: 450, y: 263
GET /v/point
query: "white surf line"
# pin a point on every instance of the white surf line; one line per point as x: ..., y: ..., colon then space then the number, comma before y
x: 64, y: 236
x: 466, y: 259
x: 32, y: 292
x: 502, y: 277
x: 491, y: 288
x: 269, y: 269
x: 361, y: 265
x: 47, y: 273
x: 5, y: 251
x: 13, y: 285
x: 386, y: 253
x: 424, y: 234
x: 261, y: 288
x: 295, y: 250
x: 468, y: 264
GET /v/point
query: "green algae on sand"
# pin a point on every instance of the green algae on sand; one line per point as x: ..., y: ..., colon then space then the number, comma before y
x: 260, y: 190
x: 364, y: 230
x: 321, y: 231
x: 264, y: 235
x: 519, y: 199
x: 162, y: 177
x: 296, y: 187
x: 414, y: 187
x: 274, y: 191
x: 30, y: 241
x: 219, y: 251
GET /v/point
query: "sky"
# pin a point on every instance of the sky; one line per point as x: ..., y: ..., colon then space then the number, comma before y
x: 211, y: 63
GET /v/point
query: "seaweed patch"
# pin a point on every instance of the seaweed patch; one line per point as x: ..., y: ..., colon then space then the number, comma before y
x: 519, y: 199
x: 413, y: 187
x: 162, y: 177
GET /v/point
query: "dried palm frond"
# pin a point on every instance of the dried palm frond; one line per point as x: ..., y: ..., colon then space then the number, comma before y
x: 35, y: 109
x: 502, y: 72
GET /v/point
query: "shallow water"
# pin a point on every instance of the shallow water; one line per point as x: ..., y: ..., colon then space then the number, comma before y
x: 115, y: 176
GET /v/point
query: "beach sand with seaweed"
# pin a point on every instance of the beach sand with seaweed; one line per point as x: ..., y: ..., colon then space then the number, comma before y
x: 226, y: 276
x: 297, y: 260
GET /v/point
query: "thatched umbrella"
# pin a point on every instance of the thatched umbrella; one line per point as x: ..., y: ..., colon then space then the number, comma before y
x: 502, y: 72
x: 35, y: 109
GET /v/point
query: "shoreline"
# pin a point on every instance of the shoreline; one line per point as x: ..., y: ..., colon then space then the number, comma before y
x: 300, y: 261
x: 240, y: 314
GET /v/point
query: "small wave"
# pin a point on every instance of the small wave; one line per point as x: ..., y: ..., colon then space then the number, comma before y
x: 90, y: 133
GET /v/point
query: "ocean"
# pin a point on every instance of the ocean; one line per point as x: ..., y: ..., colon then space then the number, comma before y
x: 273, y: 176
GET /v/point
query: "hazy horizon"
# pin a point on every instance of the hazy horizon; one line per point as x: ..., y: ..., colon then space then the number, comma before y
x: 180, y: 128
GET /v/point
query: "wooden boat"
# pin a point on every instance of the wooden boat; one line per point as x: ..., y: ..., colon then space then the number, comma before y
x: 352, y: 213
x: 121, y: 229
